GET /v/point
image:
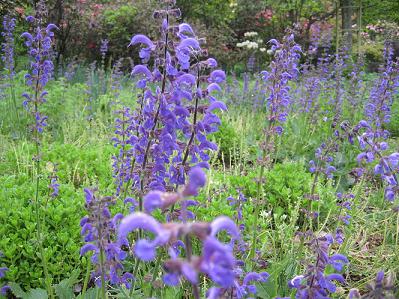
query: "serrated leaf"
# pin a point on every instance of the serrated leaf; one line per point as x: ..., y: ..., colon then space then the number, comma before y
x: 90, y: 294
x: 63, y: 290
x: 16, y: 290
x: 36, y: 294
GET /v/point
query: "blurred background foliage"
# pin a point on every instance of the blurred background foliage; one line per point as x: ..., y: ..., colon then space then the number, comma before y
x: 83, y: 23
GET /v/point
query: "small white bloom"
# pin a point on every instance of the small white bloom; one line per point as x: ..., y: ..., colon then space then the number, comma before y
x: 250, y: 34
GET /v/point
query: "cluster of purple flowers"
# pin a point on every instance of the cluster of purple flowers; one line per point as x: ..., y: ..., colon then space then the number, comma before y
x: 39, y: 44
x: 216, y: 261
x: 345, y: 204
x: 91, y: 92
x: 283, y: 69
x: 167, y: 134
x: 53, y: 186
x: 309, y: 91
x: 104, y: 48
x: 373, y: 149
x: 371, y: 132
x: 99, y: 229
x: 383, y: 287
x: 314, y: 283
x: 7, y: 46
x: 378, y: 108
x: 238, y: 204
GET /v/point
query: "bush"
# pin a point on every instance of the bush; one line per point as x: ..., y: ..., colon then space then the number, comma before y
x: 61, y: 237
x: 228, y: 141
x: 393, y: 125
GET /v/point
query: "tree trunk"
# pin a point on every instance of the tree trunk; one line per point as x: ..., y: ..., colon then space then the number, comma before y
x: 347, y: 12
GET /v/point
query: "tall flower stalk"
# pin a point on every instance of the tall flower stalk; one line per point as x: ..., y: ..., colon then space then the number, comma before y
x: 167, y: 133
x: 372, y: 135
x: 98, y: 229
x: 7, y: 57
x: 314, y: 283
x: 39, y: 43
x: 283, y: 69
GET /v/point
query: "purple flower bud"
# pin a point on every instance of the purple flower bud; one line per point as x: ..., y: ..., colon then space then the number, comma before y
x: 142, y: 70
x: 217, y: 105
x: 197, y: 180
x: 3, y: 270
x: 86, y: 248
x: 212, y: 63
x: 213, y: 86
x: 190, y: 43
x: 185, y: 28
x: 217, y: 76
x: 142, y: 39
x: 5, y: 289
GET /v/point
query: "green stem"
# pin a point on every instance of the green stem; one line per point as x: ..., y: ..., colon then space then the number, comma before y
x: 257, y: 209
x: 37, y: 203
x: 136, y: 270
x: 155, y: 274
x: 87, y: 277
x: 103, y: 291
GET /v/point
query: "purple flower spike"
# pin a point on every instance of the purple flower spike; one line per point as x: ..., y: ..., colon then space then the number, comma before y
x: 314, y: 283
x: 8, y: 46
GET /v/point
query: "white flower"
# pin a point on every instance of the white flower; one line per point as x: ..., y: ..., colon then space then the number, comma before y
x: 252, y: 45
x: 262, y: 49
x: 265, y: 214
x: 250, y: 34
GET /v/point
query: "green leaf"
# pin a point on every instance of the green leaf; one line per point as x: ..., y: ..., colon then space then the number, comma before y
x: 36, y: 294
x: 90, y: 294
x: 16, y: 290
x: 64, y: 290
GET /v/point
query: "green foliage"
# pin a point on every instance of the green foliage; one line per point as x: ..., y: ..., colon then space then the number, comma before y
x: 119, y: 23
x: 213, y: 13
x: 285, y: 185
x: 61, y: 238
x: 228, y: 141
x: 374, y: 11
x: 373, y: 53
x: 77, y: 167
x: 393, y: 125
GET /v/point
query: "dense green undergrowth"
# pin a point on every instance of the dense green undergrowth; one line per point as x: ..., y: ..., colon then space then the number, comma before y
x: 81, y: 150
